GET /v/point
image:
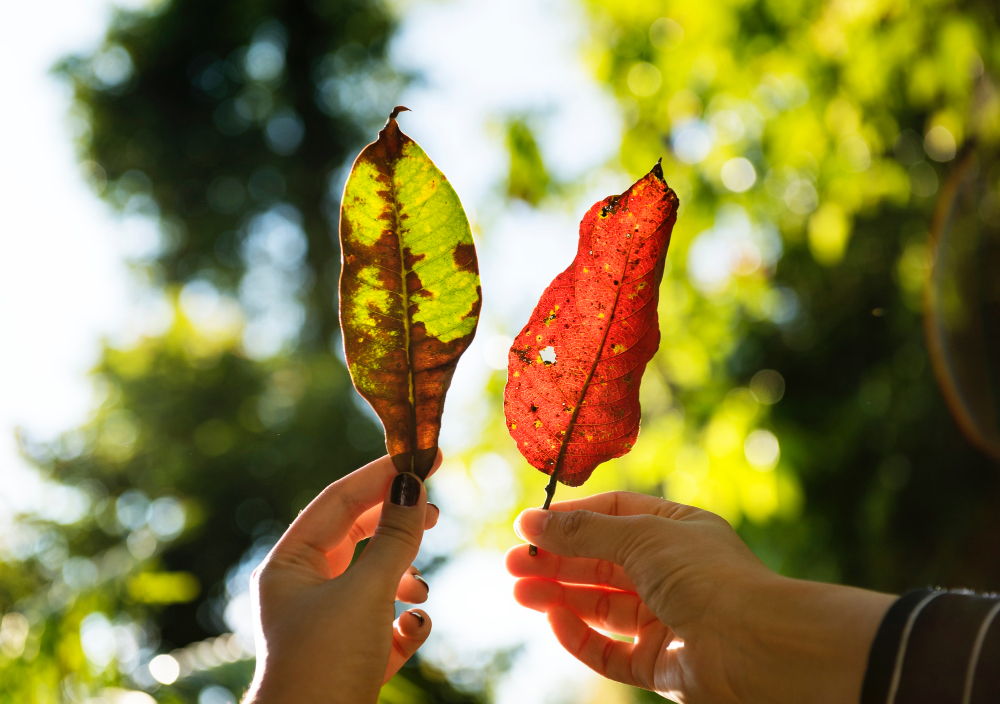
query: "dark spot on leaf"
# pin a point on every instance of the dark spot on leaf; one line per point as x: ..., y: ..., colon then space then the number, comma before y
x: 465, y: 258
x: 410, y: 259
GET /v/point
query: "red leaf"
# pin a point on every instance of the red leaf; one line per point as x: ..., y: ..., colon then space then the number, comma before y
x: 572, y: 395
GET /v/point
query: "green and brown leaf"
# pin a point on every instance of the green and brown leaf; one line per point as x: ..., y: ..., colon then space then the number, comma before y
x: 409, y: 290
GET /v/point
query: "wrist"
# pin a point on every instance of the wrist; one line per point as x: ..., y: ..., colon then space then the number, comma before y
x: 808, y: 641
x: 284, y: 686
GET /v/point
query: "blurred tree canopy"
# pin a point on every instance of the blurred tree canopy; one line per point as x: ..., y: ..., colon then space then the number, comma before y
x: 212, y: 114
x: 829, y: 372
x: 219, y: 131
x: 809, y: 143
x: 795, y: 392
x: 527, y: 177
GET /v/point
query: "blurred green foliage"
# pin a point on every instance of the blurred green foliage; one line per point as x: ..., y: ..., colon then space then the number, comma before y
x: 205, y: 114
x: 527, y: 177
x: 796, y: 392
x: 793, y: 393
x: 808, y: 142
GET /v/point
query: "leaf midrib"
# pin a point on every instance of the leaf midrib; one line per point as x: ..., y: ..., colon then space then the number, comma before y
x: 405, y: 295
x: 561, y: 455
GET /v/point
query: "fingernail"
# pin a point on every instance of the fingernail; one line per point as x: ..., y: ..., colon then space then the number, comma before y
x: 418, y: 616
x: 533, y: 522
x: 433, y: 506
x: 423, y: 581
x: 405, y: 490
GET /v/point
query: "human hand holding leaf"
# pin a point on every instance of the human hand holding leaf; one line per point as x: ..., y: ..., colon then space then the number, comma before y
x: 572, y: 394
x: 409, y: 290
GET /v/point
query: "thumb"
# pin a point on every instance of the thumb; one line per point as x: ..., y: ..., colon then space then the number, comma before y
x: 578, y: 533
x: 396, y: 540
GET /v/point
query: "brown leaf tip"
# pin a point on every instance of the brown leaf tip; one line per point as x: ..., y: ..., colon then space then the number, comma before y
x: 658, y: 170
x: 396, y: 110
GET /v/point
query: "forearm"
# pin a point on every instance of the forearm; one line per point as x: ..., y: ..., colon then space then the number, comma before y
x: 807, y: 641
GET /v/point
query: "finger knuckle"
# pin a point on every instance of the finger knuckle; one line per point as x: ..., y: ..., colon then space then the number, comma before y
x: 670, y: 509
x: 259, y: 576
x: 615, y: 503
x: 605, y: 571
x: 350, y: 504
x: 356, y: 534
x: 606, y: 654
x: 648, y: 526
x: 574, y: 524
x: 603, y: 608
x: 398, y: 534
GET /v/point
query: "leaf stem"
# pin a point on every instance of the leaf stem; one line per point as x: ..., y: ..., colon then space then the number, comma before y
x: 550, y: 491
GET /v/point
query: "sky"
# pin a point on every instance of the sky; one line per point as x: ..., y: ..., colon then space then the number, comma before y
x: 62, y: 281
x: 64, y: 286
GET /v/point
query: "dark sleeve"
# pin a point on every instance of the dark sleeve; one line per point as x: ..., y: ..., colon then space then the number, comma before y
x: 936, y: 647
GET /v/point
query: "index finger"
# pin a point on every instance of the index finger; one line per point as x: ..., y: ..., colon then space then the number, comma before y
x: 573, y: 570
x: 620, y: 503
x: 328, y: 518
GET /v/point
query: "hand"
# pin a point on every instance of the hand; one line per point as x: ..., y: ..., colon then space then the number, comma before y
x: 710, y: 622
x: 324, y: 634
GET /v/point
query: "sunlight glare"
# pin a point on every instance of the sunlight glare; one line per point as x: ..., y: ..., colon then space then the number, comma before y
x: 164, y: 669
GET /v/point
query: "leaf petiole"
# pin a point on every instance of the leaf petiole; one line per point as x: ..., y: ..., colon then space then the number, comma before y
x: 550, y: 491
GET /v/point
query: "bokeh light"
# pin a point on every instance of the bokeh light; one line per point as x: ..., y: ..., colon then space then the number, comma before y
x: 164, y: 669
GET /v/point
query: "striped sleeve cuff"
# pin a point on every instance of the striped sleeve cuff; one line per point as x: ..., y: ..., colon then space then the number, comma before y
x: 936, y: 647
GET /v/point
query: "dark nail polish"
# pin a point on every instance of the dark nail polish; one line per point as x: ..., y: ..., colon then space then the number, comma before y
x: 422, y: 581
x: 419, y: 617
x: 405, y: 490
